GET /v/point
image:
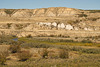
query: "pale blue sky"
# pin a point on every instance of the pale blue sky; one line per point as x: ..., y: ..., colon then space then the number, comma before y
x: 32, y: 4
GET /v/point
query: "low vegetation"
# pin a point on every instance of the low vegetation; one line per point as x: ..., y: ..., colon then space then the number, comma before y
x: 94, y: 11
x: 9, y: 11
x: 24, y: 55
x: 4, y: 53
x: 2, y: 59
x: 14, y: 48
x: 46, y: 52
x: 64, y: 53
x: 73, y: 22
x: 82, y: 15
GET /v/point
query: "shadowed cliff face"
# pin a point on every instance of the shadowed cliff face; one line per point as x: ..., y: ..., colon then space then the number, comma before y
x: 50, y: 21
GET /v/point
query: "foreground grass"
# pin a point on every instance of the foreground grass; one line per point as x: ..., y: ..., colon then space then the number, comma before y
x: 84, y: 60
x: 80, y: 54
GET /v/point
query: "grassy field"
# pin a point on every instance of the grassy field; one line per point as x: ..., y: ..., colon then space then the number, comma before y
x: 76, y: 59
x: 57, y: 42
x: 77, y: 54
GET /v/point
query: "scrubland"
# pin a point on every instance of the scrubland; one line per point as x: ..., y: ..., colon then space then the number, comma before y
x: 49, y: 37
x: 47, y: 52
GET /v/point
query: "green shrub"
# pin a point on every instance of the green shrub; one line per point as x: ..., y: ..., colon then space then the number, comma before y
x: 63, y: 54
x: 45, y: 53
x: 9, y: 11
x: 86, y: 50
x: 76, y: 48
x: 94, y: 11
x: 73, y: 22
x: 52, y: 35
x: 9, y: 25
x: 7, y: 39
x: 36, y: 45
x: 14, y: 48
x: 86, y: 41
x: 3, y: 56
x: 94, y: 19
x: 29, y: 36
x: 91, y: 51
x: 2, y: 59
x: 4, y: 39
x: 24, y: 55
x: 82, y: 15
x: 76, y: 37
x: 19, y: 26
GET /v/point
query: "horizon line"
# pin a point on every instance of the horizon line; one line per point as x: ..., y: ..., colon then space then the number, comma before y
x: 54, y: 7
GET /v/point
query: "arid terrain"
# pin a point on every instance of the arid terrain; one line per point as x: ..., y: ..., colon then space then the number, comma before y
x: 50, y: 21
x: 49, y: 37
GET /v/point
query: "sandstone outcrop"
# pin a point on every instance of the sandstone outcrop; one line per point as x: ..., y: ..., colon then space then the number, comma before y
x: 49, y: 12
x: 3, y: 13
x: 49, y: 21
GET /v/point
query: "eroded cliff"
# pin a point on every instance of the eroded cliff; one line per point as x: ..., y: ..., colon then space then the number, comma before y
x: 50, y: 21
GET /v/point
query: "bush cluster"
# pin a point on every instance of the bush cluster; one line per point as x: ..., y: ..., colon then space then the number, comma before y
x: 9, y: 11
x: 36, y: 45
x: 14, y: 48
x: 24, y: 55
x: 8, y: 39
x: 45, y: 53
x: 3, y: 56
x: 64, y: 54
x: 82, y: 15
x: 85, y: 50
x: 86, y: 41
x: 94, y: 11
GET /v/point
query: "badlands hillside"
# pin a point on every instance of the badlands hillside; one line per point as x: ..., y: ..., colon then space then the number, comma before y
x: 53, y: 21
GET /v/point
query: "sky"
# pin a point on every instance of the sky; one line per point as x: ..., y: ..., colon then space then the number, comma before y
x: 33, y: 4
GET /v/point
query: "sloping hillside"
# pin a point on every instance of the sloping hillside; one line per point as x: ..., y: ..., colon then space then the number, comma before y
x: 50, y: 21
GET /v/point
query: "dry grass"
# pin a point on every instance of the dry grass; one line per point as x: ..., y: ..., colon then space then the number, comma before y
x: 75, y: 58
x: 47, y: 53
x: 4, y: 48
x: 14, y: 48
x: 24, y: 55
x: 4, y: 53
